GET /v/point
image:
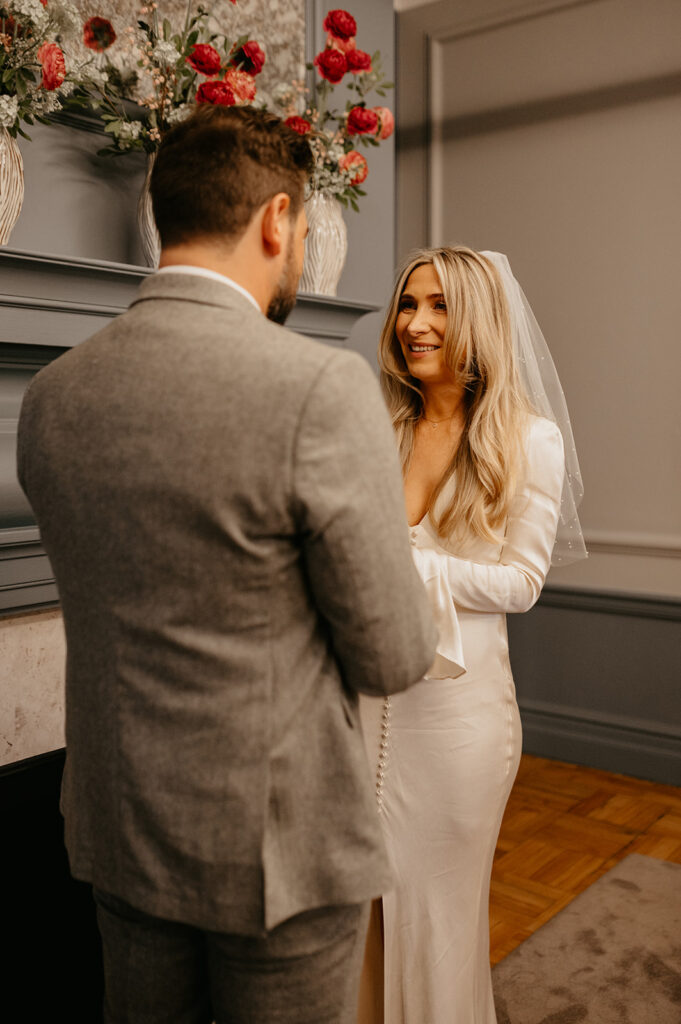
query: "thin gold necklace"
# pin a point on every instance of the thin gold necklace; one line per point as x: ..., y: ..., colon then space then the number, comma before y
x: 435, y: 422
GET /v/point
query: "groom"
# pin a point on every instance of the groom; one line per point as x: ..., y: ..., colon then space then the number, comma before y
x: 221, y: 503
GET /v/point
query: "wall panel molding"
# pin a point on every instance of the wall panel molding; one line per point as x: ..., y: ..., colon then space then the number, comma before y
x: 463, y: 25
x: 610, y: 602
x: 601, y: 742
x: 611, y: 542
x: 597, y: 677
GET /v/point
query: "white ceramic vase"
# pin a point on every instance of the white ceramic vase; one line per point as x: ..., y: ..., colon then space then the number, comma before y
x: 149, y: 236
x: 11, y: 184
x: 326, y: 244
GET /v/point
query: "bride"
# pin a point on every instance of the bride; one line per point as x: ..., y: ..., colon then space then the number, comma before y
x: 474, y: 399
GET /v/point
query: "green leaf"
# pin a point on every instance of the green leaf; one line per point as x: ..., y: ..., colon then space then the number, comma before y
x: 167, y: 29
x: 354, y: 205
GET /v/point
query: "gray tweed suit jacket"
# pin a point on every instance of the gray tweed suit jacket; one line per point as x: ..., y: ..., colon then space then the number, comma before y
x: 221, y: 503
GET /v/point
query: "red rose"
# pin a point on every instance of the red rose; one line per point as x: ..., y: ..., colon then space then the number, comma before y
x: 340, y: 24
x: 249, y: 58
x: 217, y: 93
x: 98, y: 34
x: 362, y: 121
x: 354, y: 161
x: 386, y: 122
x: 204, y: 58
x: 298, y: 124
x: 358, y: 61
x: 54, y: 68
x: 241, y: 84
x: 331, y: 64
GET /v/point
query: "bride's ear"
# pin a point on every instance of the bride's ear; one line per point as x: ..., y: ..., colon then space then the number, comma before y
x: 276, y: 223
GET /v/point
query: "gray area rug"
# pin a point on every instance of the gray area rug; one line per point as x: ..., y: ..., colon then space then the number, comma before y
x: 612, y: 956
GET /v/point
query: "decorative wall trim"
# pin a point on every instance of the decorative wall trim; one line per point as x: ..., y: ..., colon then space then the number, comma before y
x: 608, y: 542
x: 597, y: 678
x: 601, y: 742
x: 611, y: 602
x: 526, y: 10
x: 26, y: 577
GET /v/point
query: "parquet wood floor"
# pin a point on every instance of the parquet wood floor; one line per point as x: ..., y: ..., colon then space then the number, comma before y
x: 566, y: 825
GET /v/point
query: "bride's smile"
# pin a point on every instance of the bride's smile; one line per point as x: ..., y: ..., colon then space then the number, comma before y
x: 421, y: 323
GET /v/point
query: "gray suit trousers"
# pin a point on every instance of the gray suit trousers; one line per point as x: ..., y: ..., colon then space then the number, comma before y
x: 305, y: 971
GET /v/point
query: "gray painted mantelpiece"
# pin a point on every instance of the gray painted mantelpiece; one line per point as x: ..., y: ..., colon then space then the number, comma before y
x: 47, y: 305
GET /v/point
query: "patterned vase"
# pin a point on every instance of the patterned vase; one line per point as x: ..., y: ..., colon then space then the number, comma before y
x: 326, y: 244
x: 149, y: 237
x: 11, y: 184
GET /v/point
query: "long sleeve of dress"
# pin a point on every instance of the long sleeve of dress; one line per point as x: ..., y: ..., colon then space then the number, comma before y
x: 514, y: 583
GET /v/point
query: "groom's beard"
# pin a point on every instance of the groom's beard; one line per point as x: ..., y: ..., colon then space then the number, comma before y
x: 284, y: 298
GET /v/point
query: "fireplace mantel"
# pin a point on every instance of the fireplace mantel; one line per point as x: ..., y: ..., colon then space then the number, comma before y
x: 48, y: 304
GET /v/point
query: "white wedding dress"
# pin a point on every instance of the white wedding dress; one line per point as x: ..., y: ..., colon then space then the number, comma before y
x: 446, y: 752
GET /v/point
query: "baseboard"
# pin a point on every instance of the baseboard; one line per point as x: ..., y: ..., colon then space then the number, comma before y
x: 601, y: 743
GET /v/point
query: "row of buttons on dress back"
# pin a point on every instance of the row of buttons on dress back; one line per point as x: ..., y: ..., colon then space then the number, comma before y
x: 383, y: 752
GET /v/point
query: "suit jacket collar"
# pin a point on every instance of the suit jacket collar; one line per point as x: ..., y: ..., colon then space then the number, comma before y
x: 192, y: 288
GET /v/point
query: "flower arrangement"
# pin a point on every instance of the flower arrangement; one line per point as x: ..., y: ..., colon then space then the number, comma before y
x: 161, y: 74
x: 339, y: 168
x: 34, y: 77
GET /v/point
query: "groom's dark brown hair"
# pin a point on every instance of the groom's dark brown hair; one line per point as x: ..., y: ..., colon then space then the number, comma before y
x: 214, y: 170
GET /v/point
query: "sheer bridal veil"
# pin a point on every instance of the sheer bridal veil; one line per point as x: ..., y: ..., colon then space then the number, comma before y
x: 542, y: 384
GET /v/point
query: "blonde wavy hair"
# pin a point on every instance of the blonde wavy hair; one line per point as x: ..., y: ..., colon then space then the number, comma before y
x: 478, y: 349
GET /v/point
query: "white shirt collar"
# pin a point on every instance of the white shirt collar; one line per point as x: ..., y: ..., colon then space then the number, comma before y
x: 182, y: 268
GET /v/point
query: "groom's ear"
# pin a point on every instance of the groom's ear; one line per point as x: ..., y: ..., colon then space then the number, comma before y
x: 275, y: 223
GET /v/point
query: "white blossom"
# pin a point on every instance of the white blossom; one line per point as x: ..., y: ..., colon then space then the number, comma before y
x: 129, y: 131
x: 166, y: 53
x: 9, y: 108
x: 96, y: 75
x: 46, y: 102
x: 283, y: 94
x: 180, y: 113
x: 32, y: 10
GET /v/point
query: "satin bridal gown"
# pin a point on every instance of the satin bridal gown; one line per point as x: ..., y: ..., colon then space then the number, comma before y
x: 445, y: 754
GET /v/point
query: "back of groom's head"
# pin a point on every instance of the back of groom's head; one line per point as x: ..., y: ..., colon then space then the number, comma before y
x: 214, y: 170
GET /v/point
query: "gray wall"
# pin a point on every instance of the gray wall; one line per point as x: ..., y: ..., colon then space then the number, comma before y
x: 549, y: 130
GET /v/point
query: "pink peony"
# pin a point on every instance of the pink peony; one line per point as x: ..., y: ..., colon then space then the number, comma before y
x: 362, y: 121
x: 340, y: 24
x: 358, y: 61
x: 204, y: 58
x: 331, y: 64
x: 217, y: 93
x: 249, y: 58
x: 344, y: 45
x: 241, y: 84
x: 354, y: 161
x: 386, y: 122
x: 98, y: 34
x: 54, y: 68
x: 298, y: 124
